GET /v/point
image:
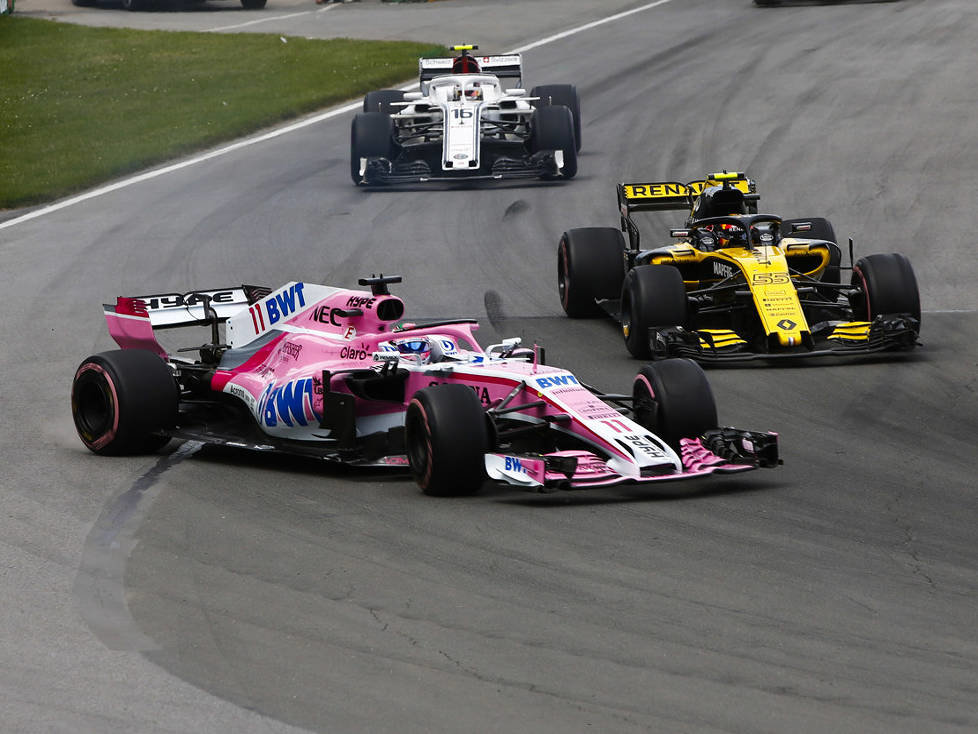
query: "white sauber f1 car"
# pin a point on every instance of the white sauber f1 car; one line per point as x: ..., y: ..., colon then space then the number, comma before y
x: 336, y: 374
x: 464, y: 124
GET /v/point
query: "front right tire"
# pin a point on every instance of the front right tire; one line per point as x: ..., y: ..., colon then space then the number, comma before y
x: 590, y: 266
x: 447, y: 436
x: 380, y: 101
x: 652, y: 295
x: 371, y: 136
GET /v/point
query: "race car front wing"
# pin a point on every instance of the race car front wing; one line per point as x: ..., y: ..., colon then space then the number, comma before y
x: 887, y: 332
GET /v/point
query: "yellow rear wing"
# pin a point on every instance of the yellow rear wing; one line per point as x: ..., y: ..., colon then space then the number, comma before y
x: 673, y: 195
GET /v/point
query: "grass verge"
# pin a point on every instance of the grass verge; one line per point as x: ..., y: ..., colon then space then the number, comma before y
x: 79, y: 105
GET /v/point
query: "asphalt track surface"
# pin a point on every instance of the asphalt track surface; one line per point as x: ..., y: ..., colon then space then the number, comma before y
x: 212, y: 590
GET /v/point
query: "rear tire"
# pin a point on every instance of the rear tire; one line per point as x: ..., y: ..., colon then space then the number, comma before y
x: 447, y: 437
x: 652, y: 295
x: 122, y: 400
x: 553, y: 129
x: 673, y: 399
x: 371, y: 136
x: 561, y: 94
x: 887, y: 285
x: 590, y: 265
x: 380, y: 101
x: 253, y: 4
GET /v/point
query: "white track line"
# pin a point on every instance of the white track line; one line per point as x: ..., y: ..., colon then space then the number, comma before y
x: 335, y: 112
x: 268, y: 19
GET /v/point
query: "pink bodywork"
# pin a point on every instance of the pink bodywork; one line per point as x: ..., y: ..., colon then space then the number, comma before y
x: 283, y: 344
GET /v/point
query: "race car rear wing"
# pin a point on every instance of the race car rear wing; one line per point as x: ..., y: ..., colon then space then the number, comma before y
x: 673, y: 195
x: 131, y: 320
x: 503, y: 66
x: 172, y: 310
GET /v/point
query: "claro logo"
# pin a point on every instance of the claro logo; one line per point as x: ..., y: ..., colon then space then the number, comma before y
x: 353, y: 353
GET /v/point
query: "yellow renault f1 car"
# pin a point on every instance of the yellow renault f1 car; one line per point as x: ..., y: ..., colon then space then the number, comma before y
x: 736, y: 285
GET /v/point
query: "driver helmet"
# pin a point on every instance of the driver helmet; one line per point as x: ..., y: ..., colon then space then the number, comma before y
x: 465, y: 64
x: 414, y: 348
x: 474, y: 91
x: 729, y: 235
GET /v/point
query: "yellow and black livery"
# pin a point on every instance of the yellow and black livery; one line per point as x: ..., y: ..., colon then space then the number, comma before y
x: 734, y: 285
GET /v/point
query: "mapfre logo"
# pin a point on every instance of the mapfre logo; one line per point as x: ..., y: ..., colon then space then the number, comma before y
x: 724, y: 270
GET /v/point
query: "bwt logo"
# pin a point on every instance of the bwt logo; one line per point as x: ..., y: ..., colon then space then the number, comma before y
x: 556, y: 380
x: 277, y: 307
x: 514, y: 464
x: 292, y: 403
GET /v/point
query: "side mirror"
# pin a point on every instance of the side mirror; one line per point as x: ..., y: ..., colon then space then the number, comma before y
x: 516, y: 92
x: 680, y: 233
x: 413, y: 96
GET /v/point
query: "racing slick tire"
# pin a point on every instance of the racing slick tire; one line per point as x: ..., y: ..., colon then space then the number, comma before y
x: 822, y: 229
x: 652, y: 295
x: 553, y: 129
x: 135, y: 5
x: 122, y: 401
x: 590, y: 265
x: 561, y: 94
x: 380, y: 101
x: 446, y: 433
x: 371, y: 136
x: 253, y: 4
x: 886, y: 284
x: 672, y: 398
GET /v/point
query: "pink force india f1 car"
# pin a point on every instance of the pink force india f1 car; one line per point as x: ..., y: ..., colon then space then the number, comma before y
x: 336, y: 374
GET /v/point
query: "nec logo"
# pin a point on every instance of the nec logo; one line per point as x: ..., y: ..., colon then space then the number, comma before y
x: 545, y: 383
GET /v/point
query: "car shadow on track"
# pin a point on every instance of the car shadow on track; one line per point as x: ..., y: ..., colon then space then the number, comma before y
x: 364, y: 477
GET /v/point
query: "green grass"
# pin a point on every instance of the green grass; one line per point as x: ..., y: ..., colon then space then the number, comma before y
x: 79, y: 105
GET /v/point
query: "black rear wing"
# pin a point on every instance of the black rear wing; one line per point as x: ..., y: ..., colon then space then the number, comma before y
x: 674, y: 195
x: 503, y: 66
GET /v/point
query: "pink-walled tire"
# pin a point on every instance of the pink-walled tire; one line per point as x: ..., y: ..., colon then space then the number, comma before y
x: 447, y: 437
x: 123, y: 401
x: 886, y: 285
x: 652, y: 295
x: 673, y: 399
x: 590, y: 265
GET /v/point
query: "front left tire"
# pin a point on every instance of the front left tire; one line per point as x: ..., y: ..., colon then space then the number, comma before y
x: 672, y: 399
x: 553, y: 130
x: 885, y: 284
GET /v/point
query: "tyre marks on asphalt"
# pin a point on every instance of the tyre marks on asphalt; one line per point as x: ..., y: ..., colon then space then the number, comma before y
x: 99, y: 585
